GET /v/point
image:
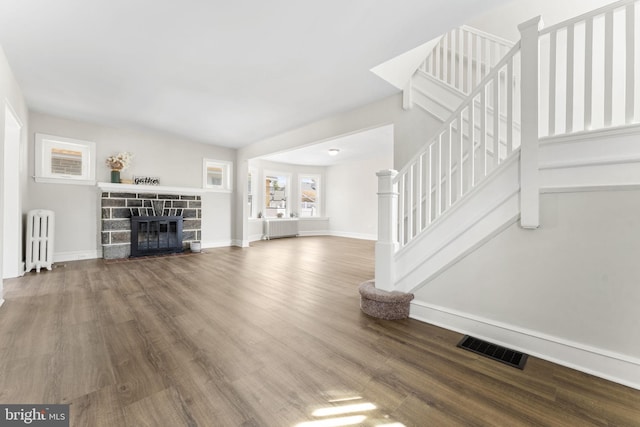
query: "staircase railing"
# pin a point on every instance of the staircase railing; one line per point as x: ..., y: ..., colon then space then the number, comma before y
x: 474, y: 141
x: 556, y: 94
x: 592, y: 56
x: 464, y: 56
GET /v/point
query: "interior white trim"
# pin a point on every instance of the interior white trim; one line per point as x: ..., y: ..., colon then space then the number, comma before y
x: 76, y: 255
x: 217, y: 244
x: 43, y: 172
x: 591, y: 134
x: 240, y: 243
x: 312, y: 233
x: 349, y: 235
x: 132, y: 188
x: 254, y: 238
x: 620, y: 187
x: 596, y: 361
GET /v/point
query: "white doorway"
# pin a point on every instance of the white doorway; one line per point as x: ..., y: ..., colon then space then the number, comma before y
x: 11, y: 228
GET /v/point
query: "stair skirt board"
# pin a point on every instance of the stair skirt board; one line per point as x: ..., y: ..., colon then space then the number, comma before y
x: 505, y: 355
x: 477, y: 220
x: 599, y: 362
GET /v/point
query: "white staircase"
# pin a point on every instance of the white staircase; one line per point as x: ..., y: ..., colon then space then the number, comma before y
x: 556, y: 111
x: 455, y: 66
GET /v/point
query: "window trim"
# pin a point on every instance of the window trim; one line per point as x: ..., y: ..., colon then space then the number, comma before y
x: 43, y: 145
x: 227, y: 175
x: 254, y: 176
x: 318, y: 202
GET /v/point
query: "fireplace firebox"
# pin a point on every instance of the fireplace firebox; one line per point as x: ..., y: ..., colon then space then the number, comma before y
x: 155, y: 235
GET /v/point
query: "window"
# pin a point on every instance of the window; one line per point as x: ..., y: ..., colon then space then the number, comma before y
x: 309, y: 195
x: 276, y: 195
x: 251, y: 193
x: 217, y: 175
x: 64, y: 160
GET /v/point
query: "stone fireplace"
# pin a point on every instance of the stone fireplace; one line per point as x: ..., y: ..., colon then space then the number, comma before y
x: 118, y: 207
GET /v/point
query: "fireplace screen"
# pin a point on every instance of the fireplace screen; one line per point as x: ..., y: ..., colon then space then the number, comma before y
x: 152, y: 235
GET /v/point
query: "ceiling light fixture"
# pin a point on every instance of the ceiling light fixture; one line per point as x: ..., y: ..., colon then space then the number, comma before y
x: 334, y: 151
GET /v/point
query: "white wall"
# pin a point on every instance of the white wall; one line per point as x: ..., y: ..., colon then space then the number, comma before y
x: 573, y: 282
x: 503, y: 20
x: 307, y: 226
x: 349, y: 203
x: 352, y: 201
x: 412, y: 130
x: 10, y: 93
x: 177, y: 162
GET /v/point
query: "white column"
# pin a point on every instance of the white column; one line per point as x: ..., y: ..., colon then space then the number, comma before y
x: 387, y: 243
x: 407, y: 96
x: 529, y: 175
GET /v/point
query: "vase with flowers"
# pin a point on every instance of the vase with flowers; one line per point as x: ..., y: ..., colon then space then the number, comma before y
x: 118, y: 163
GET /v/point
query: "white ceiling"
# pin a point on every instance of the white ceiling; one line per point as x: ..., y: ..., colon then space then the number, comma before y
x: 227, y: 73
x: 355, y: 147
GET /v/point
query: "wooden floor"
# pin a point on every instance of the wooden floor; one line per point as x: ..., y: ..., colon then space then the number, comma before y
x: 266, y: 336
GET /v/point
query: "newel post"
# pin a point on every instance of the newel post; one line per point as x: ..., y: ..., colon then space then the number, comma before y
x: 529, y: 172
x: 387, y: 243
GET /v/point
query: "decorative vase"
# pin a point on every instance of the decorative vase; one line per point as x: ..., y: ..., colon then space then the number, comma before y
x: 115, y: 176
x: 195, y: 247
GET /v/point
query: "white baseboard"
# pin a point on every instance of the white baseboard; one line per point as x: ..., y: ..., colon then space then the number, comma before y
x: 599, y: 362
x: 240, y: 243
x: 255, y: 238
x: 76, y: 255
x: 314, y: 233
x: 1, y: 302
x: 219, y: 244
x: 349, y: 235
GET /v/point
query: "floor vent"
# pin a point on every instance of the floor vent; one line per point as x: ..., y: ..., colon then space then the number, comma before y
x: 495, y: 352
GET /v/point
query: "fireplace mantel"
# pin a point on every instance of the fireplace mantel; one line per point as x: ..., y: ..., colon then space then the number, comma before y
x: 157, y: 189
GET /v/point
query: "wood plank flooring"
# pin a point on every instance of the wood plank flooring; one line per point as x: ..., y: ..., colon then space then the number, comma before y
x: 264, y: 336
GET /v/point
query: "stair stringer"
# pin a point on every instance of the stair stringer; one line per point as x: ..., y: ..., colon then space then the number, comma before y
x: 435, y: 97
x: 602, y: 159
x: 473, y: 221
x: 441, y: 100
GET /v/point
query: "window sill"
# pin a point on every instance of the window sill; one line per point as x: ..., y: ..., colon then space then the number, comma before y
x: 48, y: 180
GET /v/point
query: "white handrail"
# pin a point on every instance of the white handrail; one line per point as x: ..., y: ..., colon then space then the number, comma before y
x: 499, y: 40
x: 585, y: 16
x: 479, y: 135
